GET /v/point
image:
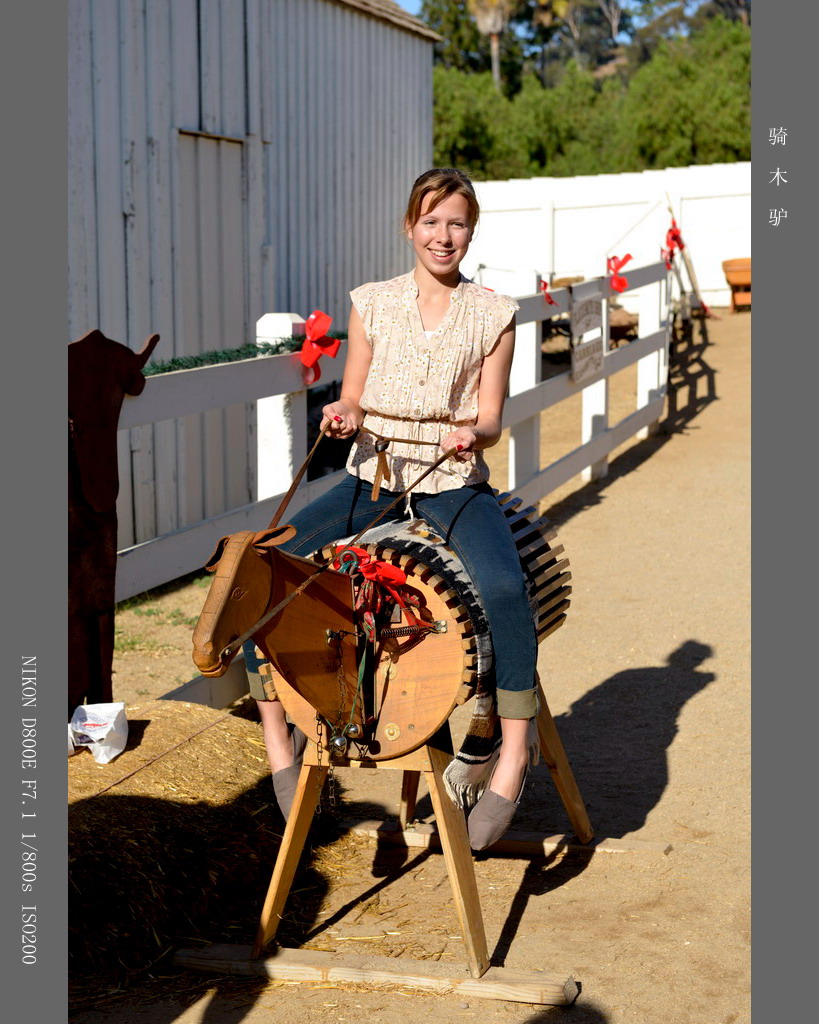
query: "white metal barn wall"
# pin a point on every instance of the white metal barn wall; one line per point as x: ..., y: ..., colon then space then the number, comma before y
x: 228, y: 158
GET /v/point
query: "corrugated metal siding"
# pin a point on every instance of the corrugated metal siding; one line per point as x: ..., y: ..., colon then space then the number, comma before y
x: 329, y: 113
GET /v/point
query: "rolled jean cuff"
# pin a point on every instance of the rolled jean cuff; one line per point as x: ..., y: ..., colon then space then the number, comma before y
x: 517, y: 703
x: 259, y: 688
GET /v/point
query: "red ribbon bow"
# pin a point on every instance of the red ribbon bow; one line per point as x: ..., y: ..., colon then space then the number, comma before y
x: 317, y: 344
x: 673, y: 240
x: 614, y: 265
x: 673, y: 237
x: 386, y: 574
x: 544, y: 287
x: 380, y: 573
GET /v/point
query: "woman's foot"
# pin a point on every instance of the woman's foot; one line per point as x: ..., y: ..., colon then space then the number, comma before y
x: 493, y: 813
x: 509, y: 774
x: 286, y: 779
x: 285, y: 747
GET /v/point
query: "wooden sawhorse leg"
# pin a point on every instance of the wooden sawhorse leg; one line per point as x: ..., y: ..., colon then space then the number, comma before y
x: 311, y: 779
x: 409, y: 796
x: 554, y: 754
x: 451, y: 828
x: 459, y: 863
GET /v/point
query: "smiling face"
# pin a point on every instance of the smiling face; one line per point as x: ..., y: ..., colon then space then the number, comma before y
x: 441, y: 237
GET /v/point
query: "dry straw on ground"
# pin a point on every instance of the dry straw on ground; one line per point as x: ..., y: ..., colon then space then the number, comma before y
x: 172, y: 844
x: 171, y: 841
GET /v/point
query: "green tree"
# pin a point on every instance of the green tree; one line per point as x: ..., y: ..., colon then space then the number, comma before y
x: 557, y: 31
x: 471, y: 126
x: 492, y: 19
x: 656, y: 20
x: 463, y: 47
x: 690, y: 104
x: 730, y: 10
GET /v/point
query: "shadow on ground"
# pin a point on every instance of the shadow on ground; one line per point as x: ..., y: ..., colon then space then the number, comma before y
x: 617, y: 737
x: 148, y: 876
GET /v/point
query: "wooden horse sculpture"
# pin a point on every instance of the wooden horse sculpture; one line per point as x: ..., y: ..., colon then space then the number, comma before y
x: 379, y: 692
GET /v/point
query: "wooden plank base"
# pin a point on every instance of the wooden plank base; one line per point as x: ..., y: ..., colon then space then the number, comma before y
x: 520, y: 844
x: 310, y: 965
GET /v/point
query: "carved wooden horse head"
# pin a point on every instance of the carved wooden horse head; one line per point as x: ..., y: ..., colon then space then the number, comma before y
x: 239, y: 594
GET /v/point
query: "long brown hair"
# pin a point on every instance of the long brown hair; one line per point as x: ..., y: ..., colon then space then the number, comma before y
x: 440, y: 183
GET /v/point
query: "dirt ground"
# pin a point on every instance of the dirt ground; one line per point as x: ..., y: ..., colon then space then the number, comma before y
x: 649, y: 683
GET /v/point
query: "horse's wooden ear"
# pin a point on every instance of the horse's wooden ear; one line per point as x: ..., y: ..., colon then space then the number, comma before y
x: 213, y: 561
x: 265, y: 539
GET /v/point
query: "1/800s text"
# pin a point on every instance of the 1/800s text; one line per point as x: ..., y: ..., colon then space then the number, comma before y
x: 29, y: 863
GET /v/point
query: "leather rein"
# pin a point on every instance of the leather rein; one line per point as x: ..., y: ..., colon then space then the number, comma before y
x: 382, y: 444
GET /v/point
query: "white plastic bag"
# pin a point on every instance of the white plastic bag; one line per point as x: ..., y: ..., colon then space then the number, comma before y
x: 103, y: 728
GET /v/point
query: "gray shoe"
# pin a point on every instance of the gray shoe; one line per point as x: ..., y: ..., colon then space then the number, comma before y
x: 491, y: 817
x: 285, y: 781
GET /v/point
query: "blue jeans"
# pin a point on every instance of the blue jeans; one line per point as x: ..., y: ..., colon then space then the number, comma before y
x: 475, y: 528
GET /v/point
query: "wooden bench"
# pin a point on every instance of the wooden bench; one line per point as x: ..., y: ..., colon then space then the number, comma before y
x: 738, y: 275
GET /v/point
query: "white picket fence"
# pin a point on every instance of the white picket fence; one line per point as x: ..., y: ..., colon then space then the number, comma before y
x: 276, y: 382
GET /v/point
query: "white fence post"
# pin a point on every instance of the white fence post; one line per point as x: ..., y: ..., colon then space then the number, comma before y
x: 653, y: 368
x: 595, y: 398
x: 595, y: 420
x: 281, y: 421
x: 524, y: 438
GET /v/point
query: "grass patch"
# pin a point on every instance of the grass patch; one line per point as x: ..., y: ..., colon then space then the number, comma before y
x: 126, y: 642
x: 133, y: 643
x: 171, y: 617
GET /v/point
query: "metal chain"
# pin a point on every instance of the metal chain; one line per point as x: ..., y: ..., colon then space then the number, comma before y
x: 341, y: 685
x: 331, y: 786
x: 319, y: 748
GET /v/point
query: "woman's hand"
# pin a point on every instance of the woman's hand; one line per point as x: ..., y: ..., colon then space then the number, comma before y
x: 343, y: 419
x: 463, y: 438
x: 345, y: 416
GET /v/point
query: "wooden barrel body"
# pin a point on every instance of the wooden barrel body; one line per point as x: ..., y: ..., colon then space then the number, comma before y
x: 410, y: 685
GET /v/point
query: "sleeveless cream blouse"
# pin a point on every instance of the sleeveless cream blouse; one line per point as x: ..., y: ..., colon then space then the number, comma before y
x: 422, y: 386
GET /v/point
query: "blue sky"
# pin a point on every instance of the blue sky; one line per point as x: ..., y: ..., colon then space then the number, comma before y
x: 413, y: 6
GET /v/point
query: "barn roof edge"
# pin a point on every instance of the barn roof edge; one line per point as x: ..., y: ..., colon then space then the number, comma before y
x: 389, y: 11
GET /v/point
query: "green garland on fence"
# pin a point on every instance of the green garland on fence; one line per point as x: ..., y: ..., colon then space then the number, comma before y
x: 231, y: 355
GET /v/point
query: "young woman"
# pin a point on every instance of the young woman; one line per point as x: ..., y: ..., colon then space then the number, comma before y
x: 428, y: 358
